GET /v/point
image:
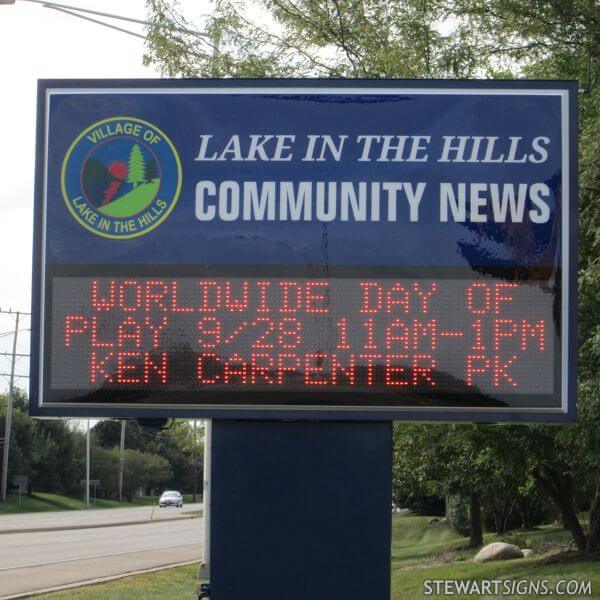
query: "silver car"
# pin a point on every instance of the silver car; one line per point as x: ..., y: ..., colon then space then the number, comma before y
x: 170, y: 498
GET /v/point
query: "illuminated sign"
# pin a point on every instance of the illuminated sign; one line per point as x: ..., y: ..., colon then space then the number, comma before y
x: 315, y: 251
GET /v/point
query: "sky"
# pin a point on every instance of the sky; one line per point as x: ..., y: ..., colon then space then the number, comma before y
x: 38, y: 43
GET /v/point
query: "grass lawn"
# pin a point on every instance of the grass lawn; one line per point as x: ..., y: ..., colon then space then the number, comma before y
x: 169, y: 583
x: 187, y: 498
x: 419, y: 552
x: 423, y: 552
x: 45, y: 502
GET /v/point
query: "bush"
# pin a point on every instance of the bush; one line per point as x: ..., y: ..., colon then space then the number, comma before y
x: 421, y: 504
x: 457, y: 510
x: 141, y: 470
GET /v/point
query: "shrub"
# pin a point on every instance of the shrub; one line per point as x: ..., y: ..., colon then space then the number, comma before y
x: 457, y: 510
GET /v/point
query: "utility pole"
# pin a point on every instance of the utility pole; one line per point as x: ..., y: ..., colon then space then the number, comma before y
x: 122, y: 460
x: 87, y: 466
x: 9, y: 409
x: 195, y: 464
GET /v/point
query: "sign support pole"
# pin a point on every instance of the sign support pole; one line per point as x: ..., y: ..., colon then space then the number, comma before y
x: 301, y: 510
x: 194, y: 463
x: 206, y: 500
x: 122, y: 460
x: 87, y: 466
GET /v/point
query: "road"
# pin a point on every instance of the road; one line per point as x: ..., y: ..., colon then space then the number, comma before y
x: 46, y: 559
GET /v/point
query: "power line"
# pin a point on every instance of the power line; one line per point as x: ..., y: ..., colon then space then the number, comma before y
x: 10, y: 311
x: 14, y: 356
x: 7, y: 333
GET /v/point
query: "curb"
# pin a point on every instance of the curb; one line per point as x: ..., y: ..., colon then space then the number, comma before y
x: 96, y: 526
x: 98, y: 580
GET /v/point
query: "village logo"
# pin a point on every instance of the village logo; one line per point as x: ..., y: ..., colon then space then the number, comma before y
x: 121, y: 177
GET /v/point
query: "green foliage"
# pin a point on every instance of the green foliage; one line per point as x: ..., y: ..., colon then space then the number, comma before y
x: 60, y: 452
x: 105, y: 468
x: 136, y: 171
x: 50, y: 453
x: 304, y: 38
x: 151, y: 172
x: 44, y: 501
x: 141, y: 470
x: 108, y: 434
x: 457, y: 509
x: 180, y: 445
x: 446, y: 459
x: 414, y: 540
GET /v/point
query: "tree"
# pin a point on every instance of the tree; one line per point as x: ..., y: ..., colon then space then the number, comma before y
x: 59, y: 459
x: 136, y: 172
x: 175, y: 444
x: 561, y: 39
x: 482, y: 463
x: 105, y: 468
x: 143, y: 470
x: 23, y: 436
x: 50, y: 453
x: 108, y: 434
x: 178, y: 445
x: 151, y: 172
x: 328, y: 38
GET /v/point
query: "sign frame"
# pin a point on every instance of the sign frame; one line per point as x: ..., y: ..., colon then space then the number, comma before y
x: 568, y: 91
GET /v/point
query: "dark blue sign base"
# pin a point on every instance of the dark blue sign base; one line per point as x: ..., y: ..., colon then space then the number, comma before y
x: 301, y: 510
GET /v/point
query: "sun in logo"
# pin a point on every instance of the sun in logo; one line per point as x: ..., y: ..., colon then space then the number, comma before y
x: 121, y: 177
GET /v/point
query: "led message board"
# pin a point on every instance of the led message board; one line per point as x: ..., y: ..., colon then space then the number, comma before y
x: 306, y: 250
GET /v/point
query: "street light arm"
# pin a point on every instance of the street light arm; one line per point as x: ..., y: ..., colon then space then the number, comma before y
x: 97, y: 21
x: 57, y: 5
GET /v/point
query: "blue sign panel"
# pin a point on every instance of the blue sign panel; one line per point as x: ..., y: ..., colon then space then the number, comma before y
x: 306, y: 249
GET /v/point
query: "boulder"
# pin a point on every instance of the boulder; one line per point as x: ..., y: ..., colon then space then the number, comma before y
x: 527, y: 552
x: 498, y: 551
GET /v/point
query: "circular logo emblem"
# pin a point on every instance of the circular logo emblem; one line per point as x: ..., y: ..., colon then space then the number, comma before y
x: 121, y: 177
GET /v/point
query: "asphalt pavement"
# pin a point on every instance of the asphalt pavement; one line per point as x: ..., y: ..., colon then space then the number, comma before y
x: 41, y: 560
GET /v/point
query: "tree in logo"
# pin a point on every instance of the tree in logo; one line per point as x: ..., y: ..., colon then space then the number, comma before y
x: 137, y: 167
x: 151, y: 172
